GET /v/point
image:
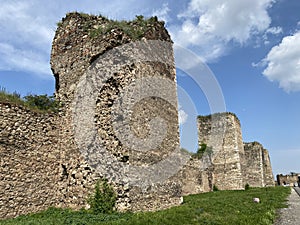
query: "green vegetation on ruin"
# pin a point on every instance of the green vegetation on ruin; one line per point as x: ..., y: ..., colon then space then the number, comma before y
x: 37, y: 103
x: 134, y: 29
x: 218, y: 208
x: 204, y: 149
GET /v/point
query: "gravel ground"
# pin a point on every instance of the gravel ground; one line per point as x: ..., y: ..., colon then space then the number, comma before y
x: 290, y: 215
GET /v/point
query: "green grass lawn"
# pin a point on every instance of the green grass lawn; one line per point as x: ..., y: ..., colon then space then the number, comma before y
x: 221, y: 207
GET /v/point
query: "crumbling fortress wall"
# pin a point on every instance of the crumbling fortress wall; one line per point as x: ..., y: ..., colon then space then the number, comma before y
x: 29, y: 160
x: 227, y: 163
x: 42, y: 164
x: 288, y: 179
x: 106, y: 71
x: 79, y: 42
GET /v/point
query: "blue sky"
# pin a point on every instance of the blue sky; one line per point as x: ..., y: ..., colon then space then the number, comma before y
x: 251, y: 47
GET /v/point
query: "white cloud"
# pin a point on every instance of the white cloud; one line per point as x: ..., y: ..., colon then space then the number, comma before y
x: 283, y: 63
x: 27, y: 28
x: 274, y: 30
x: 182, y: 116
x: 24, y: 60
x: 270, y: 31
x: 211, y: 25
x: 27, y: 35
x: 162, y: 13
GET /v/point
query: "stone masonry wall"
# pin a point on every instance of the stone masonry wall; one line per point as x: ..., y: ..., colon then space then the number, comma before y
x: 77, y: 47
x: 268, y: 172
x: 38, y: 170
x: 29, y: 160
x: 222, y: 133
x: 42, y: 164
x: 194, y: 178
x: 258, y: 170
x: 105, y: 74
x: 254, y: 173
x: 290, y: 179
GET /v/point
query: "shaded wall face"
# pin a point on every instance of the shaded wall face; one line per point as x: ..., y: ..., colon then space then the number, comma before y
x: 268, y: 172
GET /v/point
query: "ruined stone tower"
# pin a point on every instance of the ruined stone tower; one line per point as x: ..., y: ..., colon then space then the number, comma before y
x: 121, y: 75
x: 232, y: 163
x: 222, y: 133
x: 117, y: 88
x: 258, y: 170
x: 118, y: 120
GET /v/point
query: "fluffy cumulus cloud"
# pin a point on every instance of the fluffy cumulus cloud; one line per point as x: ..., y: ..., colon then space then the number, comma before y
x: 26, y: 37
x: 283, y: 63
x: 162, y: 13
x: 210, y: 25
x: 182, y: 116
x: 28, y: 27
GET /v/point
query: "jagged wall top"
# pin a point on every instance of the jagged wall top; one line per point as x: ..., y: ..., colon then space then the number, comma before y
x: 218, y: 115
x: 81, y: 38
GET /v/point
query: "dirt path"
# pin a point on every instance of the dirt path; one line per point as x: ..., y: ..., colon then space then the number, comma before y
x: 290, y: 215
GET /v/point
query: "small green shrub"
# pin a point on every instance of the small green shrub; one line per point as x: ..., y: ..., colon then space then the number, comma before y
x: 215, y: 188
x: 247, y: 187
x: 104, y: 198
x: 203, y: 149
x: 42, y: 102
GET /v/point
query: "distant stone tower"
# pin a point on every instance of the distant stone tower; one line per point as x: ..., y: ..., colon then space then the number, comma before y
x: 221, y: 133
x: 258, y: 170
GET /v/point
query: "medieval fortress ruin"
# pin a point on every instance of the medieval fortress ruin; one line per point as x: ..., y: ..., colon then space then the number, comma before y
x: 118, y: 120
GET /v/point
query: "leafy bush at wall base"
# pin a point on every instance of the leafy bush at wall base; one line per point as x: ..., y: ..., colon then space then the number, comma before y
x: 215, y: 188
x: 104, y: 198
x: 247, y: 187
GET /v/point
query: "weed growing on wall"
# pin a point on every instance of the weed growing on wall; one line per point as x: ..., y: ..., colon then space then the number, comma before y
x: 203, y: 149
x: 104, y: 198
x: 135, y: 29
x: 42, y: 102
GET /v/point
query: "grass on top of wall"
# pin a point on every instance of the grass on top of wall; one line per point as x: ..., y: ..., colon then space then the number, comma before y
x: 218, y: 208
x: 37, y: 103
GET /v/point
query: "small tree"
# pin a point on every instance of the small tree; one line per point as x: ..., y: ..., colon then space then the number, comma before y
x: 203, y: 149
x: 247, y: 187
x: 215, y: 188
x: 104, y: 198
x: 42, y: 102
